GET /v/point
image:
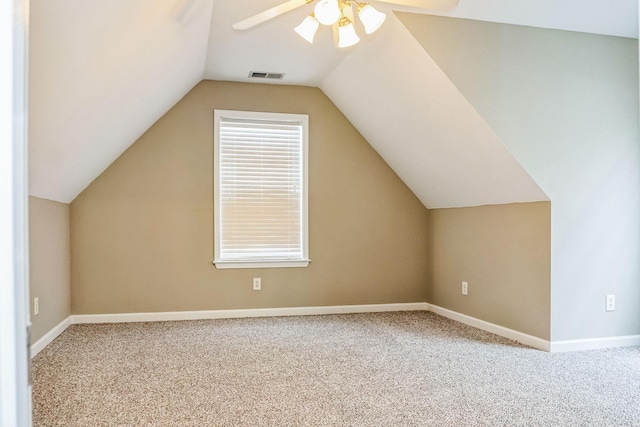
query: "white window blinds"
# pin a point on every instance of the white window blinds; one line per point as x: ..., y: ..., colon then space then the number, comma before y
x: 260, y: 189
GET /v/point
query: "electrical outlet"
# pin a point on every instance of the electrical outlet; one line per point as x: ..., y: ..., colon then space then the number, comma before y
x: 257, y: 283
x: 611, y: 302
x: 465, y: 288
x: 36, y: 306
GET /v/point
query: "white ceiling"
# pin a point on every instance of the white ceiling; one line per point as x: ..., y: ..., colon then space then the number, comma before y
x: 609, y: 17
x: 101, y: 73
x: 274, y: 46
x: 434, y: 140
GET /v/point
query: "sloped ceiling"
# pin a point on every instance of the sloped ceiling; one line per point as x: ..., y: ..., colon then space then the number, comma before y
x: 434, y: 140
x: 610, y: 18
x: 102, y: 72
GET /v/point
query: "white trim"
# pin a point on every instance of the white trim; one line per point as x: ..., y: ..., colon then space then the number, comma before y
x: 303, y: 120
x: 15, y: 390
x: 244, y: 313
x: 530, y: 340
x: 261, y: 264
x: 535, y: 342
x: 595, y: 343
x: 37, y: 346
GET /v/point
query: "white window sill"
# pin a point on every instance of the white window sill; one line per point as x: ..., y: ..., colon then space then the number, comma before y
x: 261, y: 264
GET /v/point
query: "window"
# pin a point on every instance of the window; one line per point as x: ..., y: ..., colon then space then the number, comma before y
x: 260, y: 189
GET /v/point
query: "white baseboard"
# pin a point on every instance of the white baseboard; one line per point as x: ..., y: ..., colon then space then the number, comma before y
x: 511, y: 334
x: 218, y: 314
x: 535, y: 342
x: 595, y: 343
x: 37, y: 346
x: 242, y: 313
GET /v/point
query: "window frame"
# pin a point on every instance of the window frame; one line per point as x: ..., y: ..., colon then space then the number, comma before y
x: 303, y: 119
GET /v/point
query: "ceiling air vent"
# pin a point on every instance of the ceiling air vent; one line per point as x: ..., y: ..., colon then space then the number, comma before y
x: 264, y: 75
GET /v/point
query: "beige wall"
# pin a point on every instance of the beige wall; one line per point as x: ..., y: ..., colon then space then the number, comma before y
x: 142, y: 232
x: 503, y: 252
x: 49, y: 264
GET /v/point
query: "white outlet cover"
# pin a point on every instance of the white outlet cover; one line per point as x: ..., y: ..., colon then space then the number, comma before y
x: 611, y: 302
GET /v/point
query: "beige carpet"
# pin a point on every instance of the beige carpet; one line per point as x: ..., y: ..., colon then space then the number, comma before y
x: 392, y: 369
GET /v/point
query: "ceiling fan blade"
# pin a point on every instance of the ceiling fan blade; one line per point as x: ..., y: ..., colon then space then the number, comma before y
x: 424, y: 4
x: 268, y: 14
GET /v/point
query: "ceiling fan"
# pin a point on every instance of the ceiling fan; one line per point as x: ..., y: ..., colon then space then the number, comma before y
x: 340, y: 15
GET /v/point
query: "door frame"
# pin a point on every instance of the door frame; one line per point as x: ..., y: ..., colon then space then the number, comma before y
x: 15, y: 391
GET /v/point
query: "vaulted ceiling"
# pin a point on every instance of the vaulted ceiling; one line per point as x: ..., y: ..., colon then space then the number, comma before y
x: 101, y: 73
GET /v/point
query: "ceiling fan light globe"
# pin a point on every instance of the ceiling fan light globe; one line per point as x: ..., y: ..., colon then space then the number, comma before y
x: 327, y: 12
x: 347, y: 35
x: 371, y: 18
x: 307, y: 28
